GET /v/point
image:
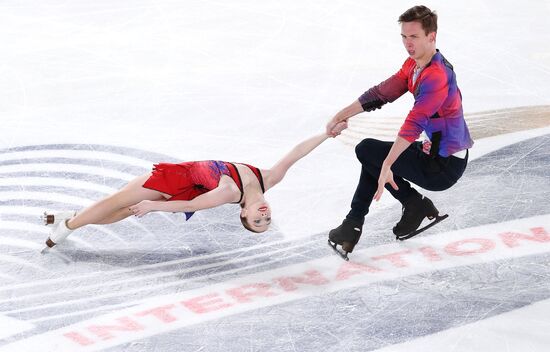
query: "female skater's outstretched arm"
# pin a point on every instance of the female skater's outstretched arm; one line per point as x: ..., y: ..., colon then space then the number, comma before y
x: 278, y: 171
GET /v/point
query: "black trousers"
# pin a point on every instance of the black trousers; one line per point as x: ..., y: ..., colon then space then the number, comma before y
x: 434, y: 174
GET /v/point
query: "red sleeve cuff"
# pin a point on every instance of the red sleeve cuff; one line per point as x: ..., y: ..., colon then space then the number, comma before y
x: 409, y: 137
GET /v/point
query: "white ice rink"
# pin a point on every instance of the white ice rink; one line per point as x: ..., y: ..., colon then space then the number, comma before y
x: 92, y: 93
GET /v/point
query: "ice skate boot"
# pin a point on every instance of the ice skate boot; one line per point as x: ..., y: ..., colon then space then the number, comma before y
x: 55, y: 217
x: 58, y: 234
x: 346, y: 235
x: 415, y: 210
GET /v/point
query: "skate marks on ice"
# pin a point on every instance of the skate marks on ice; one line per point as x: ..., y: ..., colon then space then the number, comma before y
x: 518, y: 330
x: 390, y: 310
x: 509, y: 183
x: 371, y: 266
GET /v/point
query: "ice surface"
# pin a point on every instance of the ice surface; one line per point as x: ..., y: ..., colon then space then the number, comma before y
x: 93, y: 93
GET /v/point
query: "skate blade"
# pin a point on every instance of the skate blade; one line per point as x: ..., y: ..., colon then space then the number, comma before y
x: 422, y: 229
x: 52, y: 251
x: 342, y: 254
x: 46, y: 249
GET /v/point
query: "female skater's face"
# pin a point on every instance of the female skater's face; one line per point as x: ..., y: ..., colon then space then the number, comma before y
x: 258, y: 216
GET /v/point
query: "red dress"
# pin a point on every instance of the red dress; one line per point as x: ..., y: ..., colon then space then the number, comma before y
x: 188, y: 180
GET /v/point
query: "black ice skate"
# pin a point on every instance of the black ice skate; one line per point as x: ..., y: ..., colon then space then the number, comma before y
x: 346, y: 235
x: 414, y: 211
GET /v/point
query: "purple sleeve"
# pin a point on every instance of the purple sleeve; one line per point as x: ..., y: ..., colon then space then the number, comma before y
x: 386, y: 92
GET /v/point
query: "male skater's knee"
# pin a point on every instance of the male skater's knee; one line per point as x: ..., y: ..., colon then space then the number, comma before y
x: 365, y: 148
x: 362, y: 148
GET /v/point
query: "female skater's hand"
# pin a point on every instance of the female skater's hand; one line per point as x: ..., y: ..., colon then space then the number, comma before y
x: 338, y: 128
x: 142, y: 208
x: 330, y: 126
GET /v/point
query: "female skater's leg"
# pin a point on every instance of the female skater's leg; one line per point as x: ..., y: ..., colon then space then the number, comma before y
x: 112, y: 208
x: 117, y: 216
x: 115, y: 205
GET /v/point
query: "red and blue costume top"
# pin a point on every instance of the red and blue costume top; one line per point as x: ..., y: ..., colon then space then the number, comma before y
x: 437, y: 106
x: 185, y: 181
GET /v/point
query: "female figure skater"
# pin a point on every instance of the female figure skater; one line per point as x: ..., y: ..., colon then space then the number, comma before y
x: 188, y: 187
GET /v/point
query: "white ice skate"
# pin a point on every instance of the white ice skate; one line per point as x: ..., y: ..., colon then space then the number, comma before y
x: 58, y: 234
x: 55, y: 217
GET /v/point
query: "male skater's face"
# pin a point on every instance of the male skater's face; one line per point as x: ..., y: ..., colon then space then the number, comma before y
x: 416, y: 42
